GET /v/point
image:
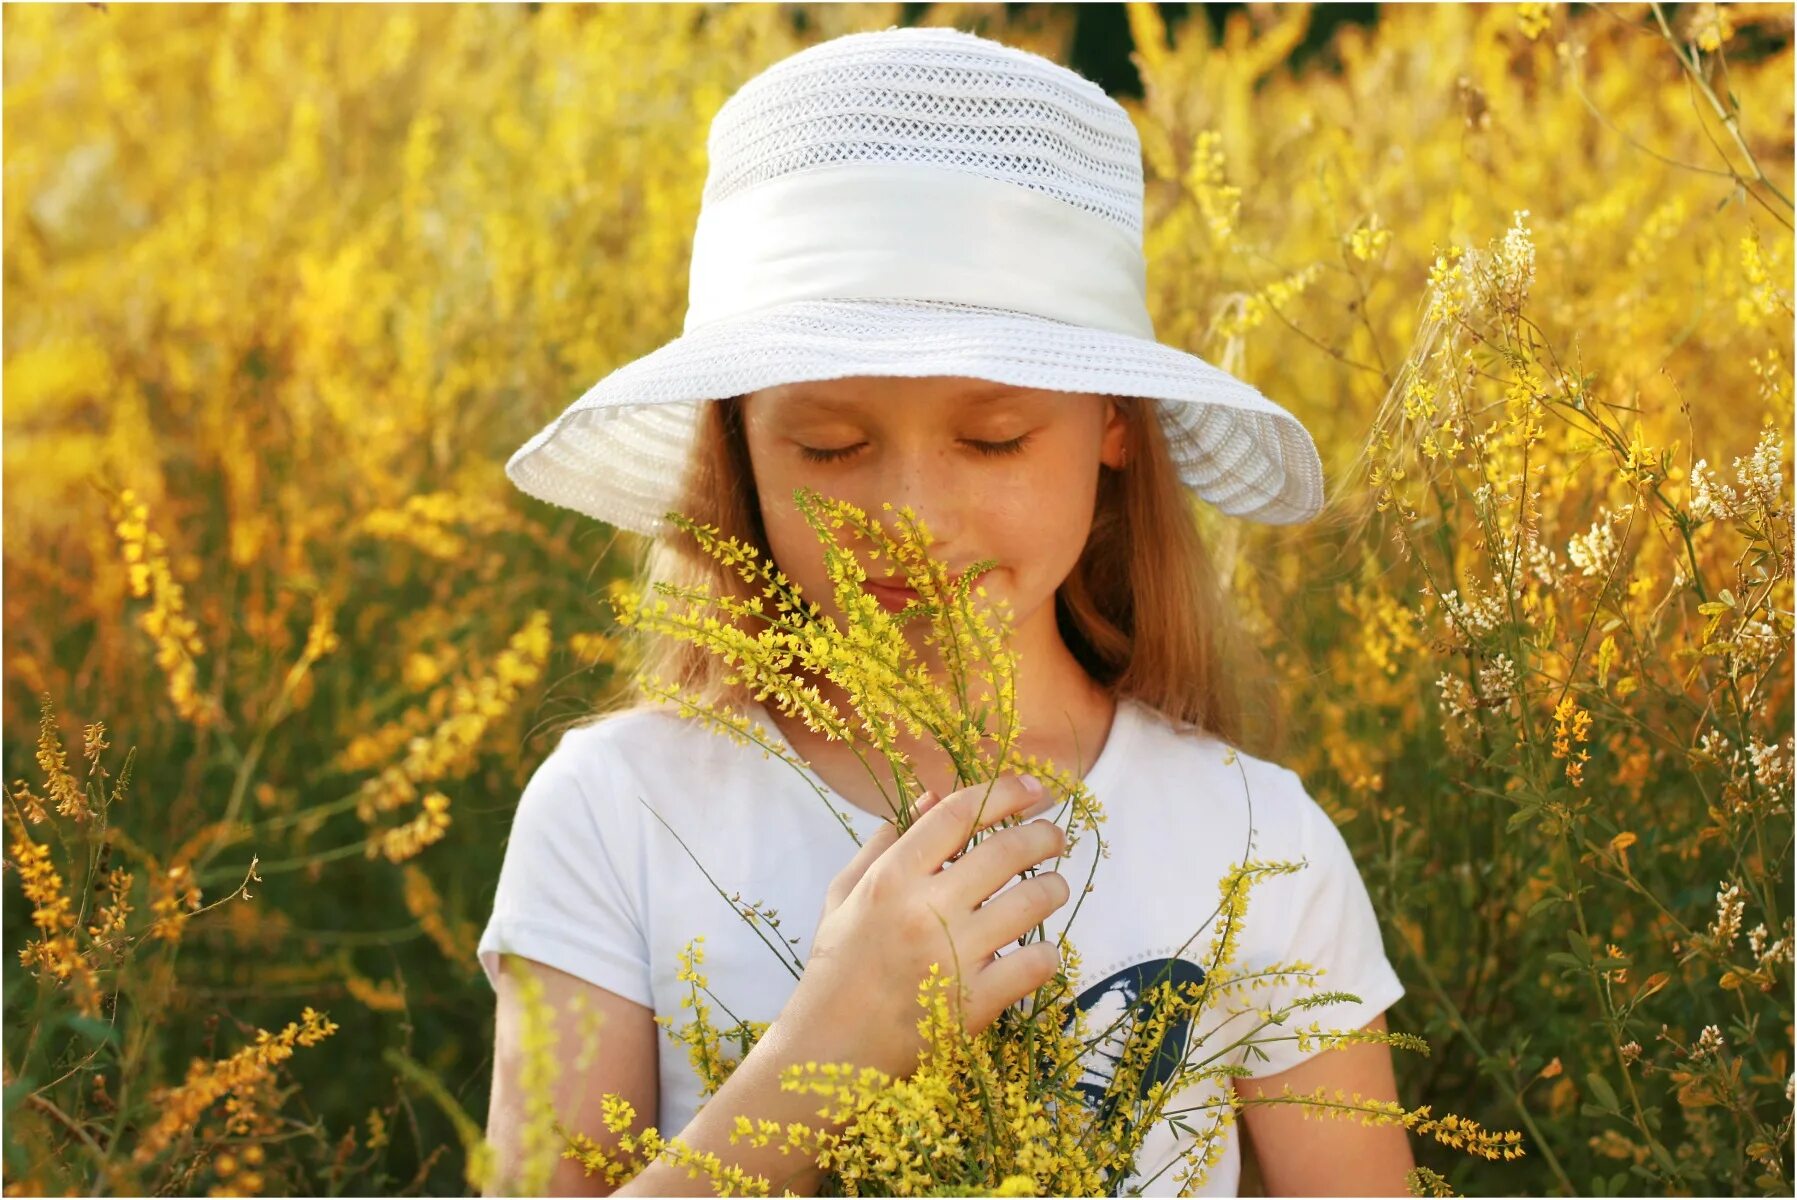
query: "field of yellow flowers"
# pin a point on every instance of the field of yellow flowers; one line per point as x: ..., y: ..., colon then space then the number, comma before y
x: 284, y: 285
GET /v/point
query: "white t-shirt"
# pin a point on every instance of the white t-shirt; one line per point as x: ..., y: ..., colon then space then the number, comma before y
x: 596, y: 886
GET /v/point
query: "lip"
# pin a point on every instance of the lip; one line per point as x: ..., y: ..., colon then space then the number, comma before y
x: 892, y: 598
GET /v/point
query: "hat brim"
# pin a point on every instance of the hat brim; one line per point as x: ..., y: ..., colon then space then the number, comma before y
x: 619, y: 452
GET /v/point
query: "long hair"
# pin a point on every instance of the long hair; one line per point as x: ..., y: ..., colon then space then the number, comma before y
x: 1144, y: 611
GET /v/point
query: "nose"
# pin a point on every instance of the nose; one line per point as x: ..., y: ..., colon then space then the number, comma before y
x: 923, y: 478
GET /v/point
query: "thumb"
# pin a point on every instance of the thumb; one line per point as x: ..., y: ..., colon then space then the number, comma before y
x: 880, y: 841
x: 877, y: 844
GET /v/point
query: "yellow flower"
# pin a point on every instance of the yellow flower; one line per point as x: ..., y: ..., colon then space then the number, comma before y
x: 178, y: 1108
x: 1533, y: 19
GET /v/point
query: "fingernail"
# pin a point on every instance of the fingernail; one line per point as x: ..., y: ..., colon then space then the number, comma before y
x: 1031, y: 784
x: 925, y: 801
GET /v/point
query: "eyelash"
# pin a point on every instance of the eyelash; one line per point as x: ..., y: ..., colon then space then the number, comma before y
x: 989, y: 449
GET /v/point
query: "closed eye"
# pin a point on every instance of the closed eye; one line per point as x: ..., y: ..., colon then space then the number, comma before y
x: 990, y: 449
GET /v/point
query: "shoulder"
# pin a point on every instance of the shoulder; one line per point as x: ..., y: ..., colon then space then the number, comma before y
x: 1272, y: 798
x: 611, y: 751
x: 582, y: 795
x: 621, y: 729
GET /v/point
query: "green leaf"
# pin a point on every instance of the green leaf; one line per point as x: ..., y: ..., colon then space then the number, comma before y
x: 1600, y: 1088
x: 18, y: 1159
x: 15, y: 1092
x: 1580, y: 950
x: 92, y: 1028
x: 14, y: 1154
x: 1543, y: 904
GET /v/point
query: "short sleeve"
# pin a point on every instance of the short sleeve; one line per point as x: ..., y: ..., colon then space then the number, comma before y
x: 568, y: 891
x: 1333, y: 927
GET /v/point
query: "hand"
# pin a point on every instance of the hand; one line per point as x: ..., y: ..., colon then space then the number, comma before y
x: 894, y: 910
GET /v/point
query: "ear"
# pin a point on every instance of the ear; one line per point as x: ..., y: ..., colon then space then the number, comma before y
x: 1113, y: 448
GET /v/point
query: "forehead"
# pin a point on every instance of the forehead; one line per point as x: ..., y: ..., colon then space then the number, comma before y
x: 851, y: 396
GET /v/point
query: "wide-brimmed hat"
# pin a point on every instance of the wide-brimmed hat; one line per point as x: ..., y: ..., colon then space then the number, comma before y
x: 917, y: 202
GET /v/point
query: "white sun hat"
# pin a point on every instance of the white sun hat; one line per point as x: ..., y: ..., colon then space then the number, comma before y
x: 917, y: 202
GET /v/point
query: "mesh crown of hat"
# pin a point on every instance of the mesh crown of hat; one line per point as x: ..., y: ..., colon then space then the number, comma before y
x: 934, y: 97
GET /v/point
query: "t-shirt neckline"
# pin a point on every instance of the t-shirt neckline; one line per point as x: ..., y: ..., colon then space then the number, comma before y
x: 1096, y: 779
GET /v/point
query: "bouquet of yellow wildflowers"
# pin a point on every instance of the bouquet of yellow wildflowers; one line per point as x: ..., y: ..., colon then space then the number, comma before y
x: 998, y: 1113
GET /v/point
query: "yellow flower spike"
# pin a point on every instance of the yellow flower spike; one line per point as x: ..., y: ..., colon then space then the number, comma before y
x: 974, y: 1104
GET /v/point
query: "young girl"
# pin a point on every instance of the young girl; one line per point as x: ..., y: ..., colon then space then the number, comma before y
x: 918, y: 279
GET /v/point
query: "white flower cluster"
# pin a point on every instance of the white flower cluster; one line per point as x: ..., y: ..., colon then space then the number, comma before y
x: 1713, y: 743
x: 1769, y: 953
x: 1767, y: 767
x: 1497, y: 680
x: 1711, y: 499
x: 1761, y: 476
x: 1484, y: 613
x: 1758, y: 641
x: 1545, y: 564
x: 1456, y: 699
x: 1771, y: 764
x: 1504, y: 274
x: 1516, y: 257
x: 1709, y: 1042
x: 1729, y: 907
x: 1593, y: 552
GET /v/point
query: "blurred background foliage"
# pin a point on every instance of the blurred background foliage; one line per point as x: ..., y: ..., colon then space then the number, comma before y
x: 285, y: 284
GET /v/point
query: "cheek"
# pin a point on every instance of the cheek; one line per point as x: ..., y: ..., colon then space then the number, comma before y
x: 789, y: 537
x: 796, y: 550
x: 1039, y: 530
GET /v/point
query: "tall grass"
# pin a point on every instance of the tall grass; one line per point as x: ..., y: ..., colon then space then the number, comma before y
x: 285, y: 285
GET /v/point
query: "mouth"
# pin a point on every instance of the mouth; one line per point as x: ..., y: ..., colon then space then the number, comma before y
x: 892, y: 597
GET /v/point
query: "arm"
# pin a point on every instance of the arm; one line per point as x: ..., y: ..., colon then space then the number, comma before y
x: 626, y: 1064
x: 887, y: 916
x: 1302, y: 1156
x: 753, y: 1091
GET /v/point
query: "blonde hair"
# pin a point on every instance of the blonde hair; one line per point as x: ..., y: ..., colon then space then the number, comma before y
x: 1144, y: 611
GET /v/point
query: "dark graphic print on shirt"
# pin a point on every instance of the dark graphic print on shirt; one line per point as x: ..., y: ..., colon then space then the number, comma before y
x: 1117, y: 1000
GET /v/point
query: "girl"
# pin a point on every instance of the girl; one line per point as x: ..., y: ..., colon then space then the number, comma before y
x: 917, y: 278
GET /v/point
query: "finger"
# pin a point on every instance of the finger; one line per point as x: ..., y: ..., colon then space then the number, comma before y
x: 1017, y: 910
x: 1007, y: 979
x: 878, y: 843
x: 924, y: 804
x: 1049, y: 800
x: 983, y: 869
x: 949, y: 825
